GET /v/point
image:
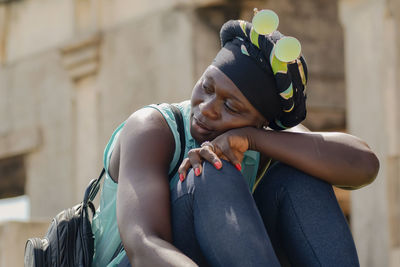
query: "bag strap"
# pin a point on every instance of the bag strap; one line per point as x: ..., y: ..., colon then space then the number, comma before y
x: 93, y: 189
x: 117, y: 251
x: 181, y: 130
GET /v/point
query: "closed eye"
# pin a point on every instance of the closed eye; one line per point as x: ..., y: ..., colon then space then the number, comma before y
x: 229, y: 108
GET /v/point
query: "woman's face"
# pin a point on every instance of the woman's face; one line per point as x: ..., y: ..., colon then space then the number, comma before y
x: 218, y: 106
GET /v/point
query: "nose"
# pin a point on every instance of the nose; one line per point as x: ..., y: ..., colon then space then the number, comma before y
x: 209, y: 109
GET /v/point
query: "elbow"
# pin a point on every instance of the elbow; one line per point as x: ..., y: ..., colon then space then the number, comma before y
x: 364, y: 170
x: 133, y: 242
x: 369, y: 169
x: 373, y: 169
x: 135, y: 246
x: 369, y: 165
x: 140, y: 245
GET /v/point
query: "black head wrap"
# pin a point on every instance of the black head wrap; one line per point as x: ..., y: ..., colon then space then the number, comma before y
x: 276, y: 89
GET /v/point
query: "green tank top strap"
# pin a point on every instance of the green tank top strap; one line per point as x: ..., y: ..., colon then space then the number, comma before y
x: 110, y: 147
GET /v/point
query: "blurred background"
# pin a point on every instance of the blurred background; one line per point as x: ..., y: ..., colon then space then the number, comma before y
x: 72, y: 70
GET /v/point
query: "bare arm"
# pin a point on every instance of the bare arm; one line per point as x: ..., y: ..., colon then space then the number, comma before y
x: 143, y: 203
x: 338, y: 158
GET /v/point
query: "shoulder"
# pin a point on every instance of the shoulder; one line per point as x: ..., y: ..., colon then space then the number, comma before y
x: 147, y: 133
x: 145, y: 123
x: 145, y: 119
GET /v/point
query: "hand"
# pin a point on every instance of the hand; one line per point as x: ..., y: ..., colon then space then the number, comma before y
x: 229, y: 146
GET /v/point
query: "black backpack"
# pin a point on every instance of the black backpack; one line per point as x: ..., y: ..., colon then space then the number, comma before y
x: 69, y: 240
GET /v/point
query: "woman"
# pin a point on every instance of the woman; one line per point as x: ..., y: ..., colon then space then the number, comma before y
x: 215, y: 211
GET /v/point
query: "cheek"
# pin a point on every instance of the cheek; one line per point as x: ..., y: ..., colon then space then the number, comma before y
x: 197, y: 96
x: 228, y: 121
x: 231, y: 121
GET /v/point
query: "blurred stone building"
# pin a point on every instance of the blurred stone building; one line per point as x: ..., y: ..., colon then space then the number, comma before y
x: 72, y: 70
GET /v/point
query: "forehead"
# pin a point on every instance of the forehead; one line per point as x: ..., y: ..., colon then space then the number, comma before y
x: 219, y: 78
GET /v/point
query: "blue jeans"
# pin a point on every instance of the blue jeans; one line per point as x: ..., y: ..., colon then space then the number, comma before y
x: 291, y: 219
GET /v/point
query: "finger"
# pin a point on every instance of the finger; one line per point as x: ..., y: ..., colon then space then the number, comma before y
x: 239, y: 158
x: 195, y: 161
x: 183, y: 168
x: 218, y: 152
x: 209, y: 155
x: 232, y: 158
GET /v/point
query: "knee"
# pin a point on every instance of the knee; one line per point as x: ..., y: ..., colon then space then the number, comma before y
x: 211, y: 179
x: 283, y: 184
x: 227, y: 170
x: 290, y: 178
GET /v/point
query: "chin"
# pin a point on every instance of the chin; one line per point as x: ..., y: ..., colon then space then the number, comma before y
x: 200, y: 134
x: 196, y: 136
x: 200, y: 138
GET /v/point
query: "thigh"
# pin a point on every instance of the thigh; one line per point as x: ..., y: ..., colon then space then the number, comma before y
x: 303, y: 219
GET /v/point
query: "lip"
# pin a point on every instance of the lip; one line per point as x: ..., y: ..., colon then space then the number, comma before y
x: 200, y: 126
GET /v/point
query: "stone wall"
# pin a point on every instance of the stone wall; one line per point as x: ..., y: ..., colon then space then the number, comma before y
x: 13, y: 236
x: 372, y: 81
x: 72, y: 70
x: 13, y: 176
x: 63, y: 94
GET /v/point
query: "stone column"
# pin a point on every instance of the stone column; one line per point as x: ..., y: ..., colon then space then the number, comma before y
x: 394, y: 159
x: 81, y: 60
x: 371, y: 53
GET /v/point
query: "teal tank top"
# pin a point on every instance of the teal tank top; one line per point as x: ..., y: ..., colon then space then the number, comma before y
x: 104, y: 225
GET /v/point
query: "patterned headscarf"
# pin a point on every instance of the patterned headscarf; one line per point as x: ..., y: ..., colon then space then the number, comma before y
x: 275, y: 88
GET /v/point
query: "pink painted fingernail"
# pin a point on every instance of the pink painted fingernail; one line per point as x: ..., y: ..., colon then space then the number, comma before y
x: 197, y: 171
x: 238, y: 166
x: 181, y: 177
x: 218, y: 165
